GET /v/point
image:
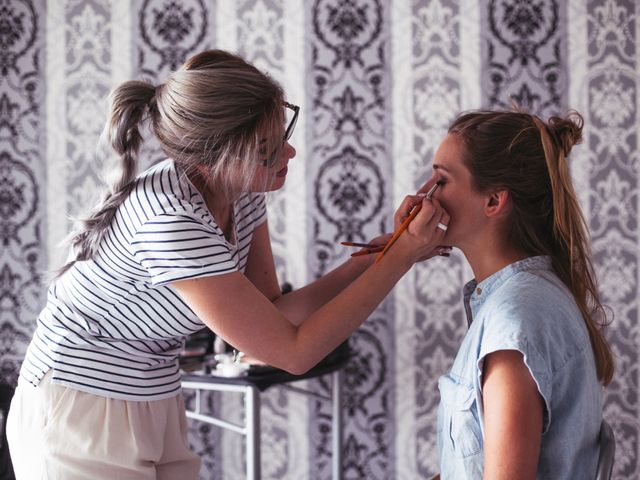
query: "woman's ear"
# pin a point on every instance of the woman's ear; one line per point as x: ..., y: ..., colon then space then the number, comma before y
x: 498, y: 204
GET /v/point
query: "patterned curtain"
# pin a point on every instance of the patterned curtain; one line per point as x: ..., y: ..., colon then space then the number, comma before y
x: 378, y: 83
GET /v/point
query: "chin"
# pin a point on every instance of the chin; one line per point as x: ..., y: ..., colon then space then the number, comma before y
x: 276, y: 184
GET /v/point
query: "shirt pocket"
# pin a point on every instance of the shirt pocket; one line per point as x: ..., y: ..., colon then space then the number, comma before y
x: 460, y: 432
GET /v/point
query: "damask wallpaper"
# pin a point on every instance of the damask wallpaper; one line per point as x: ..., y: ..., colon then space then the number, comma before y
x: 378, y: 82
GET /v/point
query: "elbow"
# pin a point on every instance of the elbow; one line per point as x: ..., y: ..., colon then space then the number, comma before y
x: 297, y: 368
x: 298, y: 356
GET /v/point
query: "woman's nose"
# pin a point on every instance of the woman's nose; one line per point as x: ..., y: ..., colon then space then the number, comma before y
x: 289, y: 150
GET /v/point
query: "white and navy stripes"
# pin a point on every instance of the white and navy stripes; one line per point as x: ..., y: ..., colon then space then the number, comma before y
x: 113, y: 325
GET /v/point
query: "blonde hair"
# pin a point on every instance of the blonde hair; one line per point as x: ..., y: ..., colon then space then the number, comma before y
x: 211, y: 113
x: 528, y: 157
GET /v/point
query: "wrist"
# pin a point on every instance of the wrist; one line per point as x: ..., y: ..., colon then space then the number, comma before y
x: 404, y: 252
x: 398, y: 257
x: 362, y: 262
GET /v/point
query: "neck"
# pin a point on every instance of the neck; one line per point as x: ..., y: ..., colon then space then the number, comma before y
x: 220, y: 205
x: 489, y: 255
x: 219, y: 202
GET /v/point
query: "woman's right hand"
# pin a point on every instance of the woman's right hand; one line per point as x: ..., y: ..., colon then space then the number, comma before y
x: 423, y: 238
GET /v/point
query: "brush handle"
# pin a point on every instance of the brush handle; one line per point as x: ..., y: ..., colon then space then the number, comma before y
x: 400, y: 230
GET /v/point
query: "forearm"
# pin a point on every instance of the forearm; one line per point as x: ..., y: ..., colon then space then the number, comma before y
x: 326, y: 328
x: 232, y: 307
x: 300, y: 304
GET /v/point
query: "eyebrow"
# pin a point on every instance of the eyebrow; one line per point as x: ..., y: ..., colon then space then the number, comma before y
x: 436, y: 166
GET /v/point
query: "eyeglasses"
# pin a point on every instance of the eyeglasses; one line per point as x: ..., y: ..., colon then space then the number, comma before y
x: 272, y: 159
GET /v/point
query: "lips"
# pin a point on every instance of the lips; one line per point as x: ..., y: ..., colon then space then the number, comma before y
x: 283, y: 172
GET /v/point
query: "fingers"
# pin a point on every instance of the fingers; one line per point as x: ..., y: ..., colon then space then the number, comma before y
x: 427, y: 186
x: 430, y: 214
x: 403, y: 211
x: 427, y: 227
x: 443, y: 223
x: 431, y: 224
x: 439, y: 221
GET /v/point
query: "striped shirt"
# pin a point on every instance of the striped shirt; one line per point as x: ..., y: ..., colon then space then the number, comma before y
x: 114, y: 325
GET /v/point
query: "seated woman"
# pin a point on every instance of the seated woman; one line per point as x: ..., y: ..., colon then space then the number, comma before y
x: 523, y: 398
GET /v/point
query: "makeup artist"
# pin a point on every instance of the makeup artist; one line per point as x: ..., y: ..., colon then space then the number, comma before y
x: 182, y: 245
x: 523, y: 398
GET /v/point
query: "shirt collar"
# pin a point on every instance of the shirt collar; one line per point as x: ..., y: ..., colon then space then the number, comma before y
x: 476, y: 293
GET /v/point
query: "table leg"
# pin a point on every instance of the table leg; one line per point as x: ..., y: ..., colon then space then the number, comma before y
x: 252, y: 421
x: 337, y: 425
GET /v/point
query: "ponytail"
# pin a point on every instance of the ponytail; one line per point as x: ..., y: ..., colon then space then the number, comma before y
x: 569, y: 224
x: 572, y: 256
x: 129, y: 105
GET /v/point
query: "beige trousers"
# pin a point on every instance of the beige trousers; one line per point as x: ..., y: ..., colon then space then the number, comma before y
x: 56, y: 432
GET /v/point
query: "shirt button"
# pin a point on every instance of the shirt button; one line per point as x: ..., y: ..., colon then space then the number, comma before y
x: 479, y: 291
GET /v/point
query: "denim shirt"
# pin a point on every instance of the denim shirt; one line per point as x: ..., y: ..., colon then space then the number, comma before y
x: 524, y: 307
